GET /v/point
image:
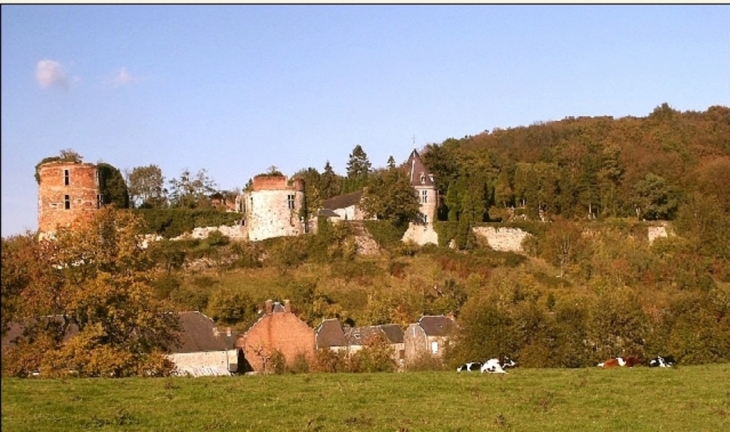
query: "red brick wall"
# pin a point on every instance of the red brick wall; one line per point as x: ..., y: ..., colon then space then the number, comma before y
x: 282, y: 331
x: 269, y: 183
x: 82, y: 191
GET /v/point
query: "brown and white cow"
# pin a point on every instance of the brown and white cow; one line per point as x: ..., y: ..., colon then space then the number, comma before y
x: 630, y: 361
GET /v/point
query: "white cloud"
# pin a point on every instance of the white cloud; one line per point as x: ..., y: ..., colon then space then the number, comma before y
x: 123, y: 78
x: 50, y: 73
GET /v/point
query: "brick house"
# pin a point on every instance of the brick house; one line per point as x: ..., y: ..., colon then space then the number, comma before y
x: 278, y: 329
x: 429, y: 335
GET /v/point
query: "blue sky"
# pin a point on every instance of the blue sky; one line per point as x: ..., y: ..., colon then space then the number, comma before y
x: 236, y: 89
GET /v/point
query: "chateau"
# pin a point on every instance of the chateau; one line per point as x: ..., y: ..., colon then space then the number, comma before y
x: 274, y: 206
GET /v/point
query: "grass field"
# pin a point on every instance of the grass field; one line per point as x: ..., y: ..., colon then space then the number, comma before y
x: 692, y: 398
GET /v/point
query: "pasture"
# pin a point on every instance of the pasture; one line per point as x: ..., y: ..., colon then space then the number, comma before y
x: 691, y: 398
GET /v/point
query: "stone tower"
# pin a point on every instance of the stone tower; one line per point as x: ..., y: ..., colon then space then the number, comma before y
x: 273, y: 208
x: 66, y: 190
x: 422, y: 181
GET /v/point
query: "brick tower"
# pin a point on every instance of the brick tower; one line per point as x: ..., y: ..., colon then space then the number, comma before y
x: 65, y: 191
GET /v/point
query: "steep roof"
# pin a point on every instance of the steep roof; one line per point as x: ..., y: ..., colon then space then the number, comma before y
x: 342, y: 201
x: 359, y: 335
x: 330, y: 334
x: 417, y: 172
x: 393, y: 332
x: 436, y: 325
x: 200, y: 334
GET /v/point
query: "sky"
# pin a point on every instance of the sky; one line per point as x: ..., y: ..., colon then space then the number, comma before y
x: 236, y: 89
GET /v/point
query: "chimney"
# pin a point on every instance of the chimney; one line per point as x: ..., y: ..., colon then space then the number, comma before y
x: 269, y: 306
x: 287, y: 306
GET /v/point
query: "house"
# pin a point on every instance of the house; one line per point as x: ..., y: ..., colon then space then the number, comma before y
x: 347, y: 207
x: 357, y: 338
x: 278, y: 329
x: 204, y: 350
x: 329, y: 335
x: 201, y: 349
x: 429, y: 335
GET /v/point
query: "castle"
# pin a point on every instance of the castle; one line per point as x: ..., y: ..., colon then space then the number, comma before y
x: 272, y: 207
x: 66, y: 190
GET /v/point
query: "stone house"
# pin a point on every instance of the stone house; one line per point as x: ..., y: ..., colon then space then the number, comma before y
x: 205, y: 350
x: 357, y: 338
x: 278, y: 329
x: 346, y: 207
x: 329, y: 335
x: 428, y: 336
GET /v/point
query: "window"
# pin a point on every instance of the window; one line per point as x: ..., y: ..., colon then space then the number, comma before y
x: 66, y: 177
x: 423, y: 179
x: 435, y: 347
x: 251, y: 206
x: 425, y: 219
x: 98, y: 183
x: 290, y: 201
x: 67, y: 202
x: 99, y: 201
x: 424, y: 196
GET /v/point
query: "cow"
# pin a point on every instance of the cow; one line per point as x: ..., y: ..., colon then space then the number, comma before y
x: 662, y: 361
x: 620, y: 362
x: 469, y: 367
x: 498, y: 366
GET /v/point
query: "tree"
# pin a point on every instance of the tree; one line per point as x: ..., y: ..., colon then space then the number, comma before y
x: 99, y: 283
x: 146, y: 186
x: 330, y: 184
x: 390, y: 196
x: 112, y: 186
x: 191, y: 190
x: 655, y: 199
x: 312, y: 193
x: 66, y: 155
x: 358, y: 170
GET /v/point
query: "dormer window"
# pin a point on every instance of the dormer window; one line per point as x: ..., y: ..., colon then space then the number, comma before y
x: 423, y: 178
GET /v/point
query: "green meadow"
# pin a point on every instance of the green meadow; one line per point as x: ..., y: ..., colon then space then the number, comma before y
x: 691, y: 398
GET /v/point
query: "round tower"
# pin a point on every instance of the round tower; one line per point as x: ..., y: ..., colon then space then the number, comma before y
x: 65, y: 191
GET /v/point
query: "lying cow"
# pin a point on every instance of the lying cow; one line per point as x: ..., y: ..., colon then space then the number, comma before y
x: 662, y: 361
x: 498, y: 366
x: 620, y: 362
x: 469, y: 367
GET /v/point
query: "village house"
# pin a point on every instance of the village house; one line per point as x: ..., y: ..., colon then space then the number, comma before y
x: 205, y: 350
x: 428, y: 336
x: 278, y: 329
x: 358, y: 337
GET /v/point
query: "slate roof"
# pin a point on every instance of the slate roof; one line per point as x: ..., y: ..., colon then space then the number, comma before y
x: 438, y: 325
x: 200, y: 334
x: 359, y: 335
x: 330, y: 334
x: 417, y: 172
x: 342, y: 201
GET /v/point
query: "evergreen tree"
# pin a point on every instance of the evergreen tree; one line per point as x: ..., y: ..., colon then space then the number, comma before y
x: 358, y: 170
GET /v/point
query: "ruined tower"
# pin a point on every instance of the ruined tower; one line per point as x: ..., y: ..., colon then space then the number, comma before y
x: 66, y: 189
x: 273, y: 208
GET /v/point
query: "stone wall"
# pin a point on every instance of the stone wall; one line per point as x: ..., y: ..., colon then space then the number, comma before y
x: 66, y: 190
x: 656, y: 232
x: 421, y: 234
x: 503, y: 239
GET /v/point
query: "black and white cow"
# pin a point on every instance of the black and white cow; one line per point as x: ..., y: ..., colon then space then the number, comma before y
x: 498, y: 366
x: 469, y: 367
x: 662, y: 361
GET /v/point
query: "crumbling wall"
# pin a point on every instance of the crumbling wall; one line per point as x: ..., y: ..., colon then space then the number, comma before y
x: 503, y: 239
